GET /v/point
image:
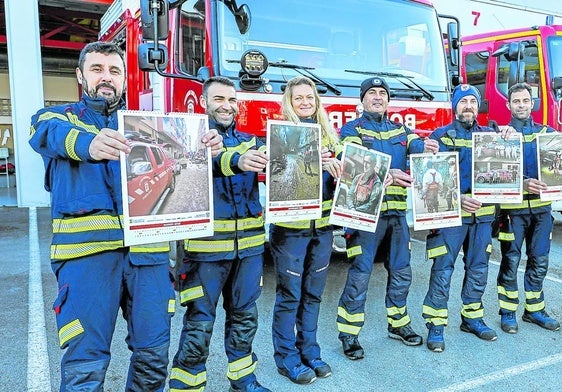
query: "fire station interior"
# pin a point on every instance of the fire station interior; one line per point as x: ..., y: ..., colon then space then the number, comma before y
x: 64, y: 27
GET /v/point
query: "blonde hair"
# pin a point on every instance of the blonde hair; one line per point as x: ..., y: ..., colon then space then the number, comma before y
x: 329, y: 136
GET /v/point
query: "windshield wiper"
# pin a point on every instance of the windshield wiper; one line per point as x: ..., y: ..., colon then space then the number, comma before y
x: 398, y: 77
x: 307, y: 70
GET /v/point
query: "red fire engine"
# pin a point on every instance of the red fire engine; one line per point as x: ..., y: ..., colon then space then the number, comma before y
x: 261, y: 44
x: 496, y: 60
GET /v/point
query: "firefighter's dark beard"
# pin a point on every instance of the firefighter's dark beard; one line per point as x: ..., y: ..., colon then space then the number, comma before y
x: 466, y: 121
x: 112, y: 101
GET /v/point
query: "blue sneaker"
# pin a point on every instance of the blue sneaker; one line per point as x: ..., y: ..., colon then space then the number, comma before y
x: 321, y: 368
x: 435, y: 339
x: 542, y: 319
x: 478, y: 327
x: 300, y: 374
x: 509, y: 322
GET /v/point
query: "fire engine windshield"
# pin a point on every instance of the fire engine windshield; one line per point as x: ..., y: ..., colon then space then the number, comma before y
x: 555, y: 55
x: 341, y: 42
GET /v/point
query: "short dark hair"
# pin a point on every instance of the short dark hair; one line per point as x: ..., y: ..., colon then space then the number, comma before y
x: 519, y: 87
x: 99, y: 47
x: 216, y: 79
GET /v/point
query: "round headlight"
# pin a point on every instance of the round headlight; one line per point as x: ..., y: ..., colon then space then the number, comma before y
x: 254, y: 63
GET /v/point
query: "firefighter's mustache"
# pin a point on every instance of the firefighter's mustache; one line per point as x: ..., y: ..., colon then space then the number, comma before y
x: 107, y: 86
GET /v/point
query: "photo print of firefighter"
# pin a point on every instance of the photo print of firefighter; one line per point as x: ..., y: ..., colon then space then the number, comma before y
x: 496, y: 168
x: 435, y: 190
x: 360, y: 189
x: 294, y: 172
x: 549, y: 158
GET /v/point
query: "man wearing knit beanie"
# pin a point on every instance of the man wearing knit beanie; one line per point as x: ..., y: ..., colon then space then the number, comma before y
x: 474, y: 235
x: 465, y: 90
x: 376, y: 131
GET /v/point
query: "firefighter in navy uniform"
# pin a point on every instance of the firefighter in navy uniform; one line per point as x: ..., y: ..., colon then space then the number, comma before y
x: 375, y: 131
x: 531, y: 221
x: 228, y: 263
x: 474, y: 235
x: 96, y: 274
x: 301, y: 252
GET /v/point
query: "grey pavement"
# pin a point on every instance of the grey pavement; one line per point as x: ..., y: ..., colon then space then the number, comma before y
x: 528, y: 361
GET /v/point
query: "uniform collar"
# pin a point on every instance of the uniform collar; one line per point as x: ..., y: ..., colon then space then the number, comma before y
x: 100, y: 104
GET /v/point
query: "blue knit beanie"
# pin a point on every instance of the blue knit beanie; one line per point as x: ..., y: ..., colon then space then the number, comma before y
x: 373, y: 82
x: 461, y: 91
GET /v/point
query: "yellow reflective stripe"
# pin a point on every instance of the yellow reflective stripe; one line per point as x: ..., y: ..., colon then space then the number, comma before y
x: 489, y: 248
x: 352, y: 139
x: 73, y: 251
x: 200, y: 389
x: 74, y: 119
x: 70, y: 142
x: 191, y: 293
x: 225, y: 160
x: 155, y: 247
x: 531, y: 137
x: 231, y: 225
x: 250, y: 223
x: 458, y: 142
x: 534, y: 307
x: 381, y: 135
x: 506, y: 236
x: 86, y: 223
x: 512, y: 294
x: 393, y: 205
x: 472, y: 314
x: 69, y: 331
x: 224, y: 226
x: 349, y: 329
x: 473, y: 310
x: 400, y: 322
x: 352, y: 318
x: 300, y: 225
x: 396, y: 190
x: 441, y: 313
x: 263, y: 148
x: 530, y: 295
x: 533, y: 203
x: 394, y: 310
x: 511, y: 306
x: 322, y: 222
x: 188, y: 378
x: 436, y: 252
x: 209, y: 246
x: 410, y: 137
x: 482, y: 211
x: 171, y: 306
x: 354, y: 251
x: 46, y: 116
x: 241, y: 368
x: 250, y: 242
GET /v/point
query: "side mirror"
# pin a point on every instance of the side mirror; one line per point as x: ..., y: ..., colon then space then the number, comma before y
x: 149, y: 56
x: 140, y: 168
x: 516, y: 72
x: 556, y: 83
x: 454, y: 43
x: 243, y: 18
x: 514, y: 51
x: 154, y: 19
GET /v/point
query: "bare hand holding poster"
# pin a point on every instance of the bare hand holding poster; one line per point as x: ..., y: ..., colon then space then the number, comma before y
x: 294, y: 172
x: 166, y: 178
x: 360, y: 189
